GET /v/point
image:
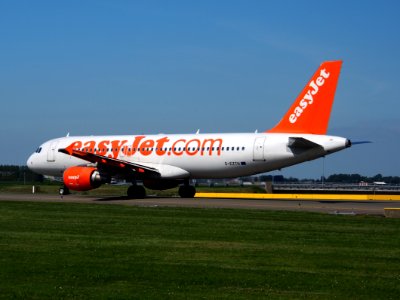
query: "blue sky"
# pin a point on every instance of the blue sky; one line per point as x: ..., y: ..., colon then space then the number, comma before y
x: 130, y: 67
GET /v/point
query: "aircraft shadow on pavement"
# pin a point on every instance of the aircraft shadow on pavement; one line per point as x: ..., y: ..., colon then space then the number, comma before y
x: 125, y: 198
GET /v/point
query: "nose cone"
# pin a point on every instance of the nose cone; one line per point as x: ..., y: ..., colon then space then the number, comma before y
x: 30, y: 162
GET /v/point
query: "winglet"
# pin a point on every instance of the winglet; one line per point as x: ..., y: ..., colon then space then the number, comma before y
x: 311, y: 110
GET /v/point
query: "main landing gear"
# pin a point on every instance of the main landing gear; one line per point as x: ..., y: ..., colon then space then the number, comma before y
x: 187, y: 191
x: 136, y: 192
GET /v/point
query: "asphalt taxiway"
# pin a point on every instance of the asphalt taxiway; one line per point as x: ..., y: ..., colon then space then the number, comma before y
x: 345, y: 207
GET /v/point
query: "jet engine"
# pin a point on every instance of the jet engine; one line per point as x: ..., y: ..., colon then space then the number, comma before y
x: 83, y: 178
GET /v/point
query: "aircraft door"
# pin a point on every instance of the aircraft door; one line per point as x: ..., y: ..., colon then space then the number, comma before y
x: 258, y: 150
x: 51, y: 153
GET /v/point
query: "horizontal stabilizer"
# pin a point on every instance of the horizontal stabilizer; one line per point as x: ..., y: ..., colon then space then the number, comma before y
x: 302, y: 143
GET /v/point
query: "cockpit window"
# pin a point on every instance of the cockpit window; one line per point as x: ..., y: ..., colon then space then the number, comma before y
x: 38, y: 150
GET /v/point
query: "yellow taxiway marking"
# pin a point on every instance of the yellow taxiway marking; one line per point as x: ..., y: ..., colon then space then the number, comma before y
x: 344, y: 197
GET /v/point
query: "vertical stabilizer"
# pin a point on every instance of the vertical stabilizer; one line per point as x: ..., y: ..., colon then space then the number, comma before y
x: 311, y: 111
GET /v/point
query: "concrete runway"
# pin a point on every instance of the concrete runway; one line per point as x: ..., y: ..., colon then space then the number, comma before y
x: 324, y: 206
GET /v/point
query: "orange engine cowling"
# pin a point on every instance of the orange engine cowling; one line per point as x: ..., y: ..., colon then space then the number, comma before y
x: 83, y: 178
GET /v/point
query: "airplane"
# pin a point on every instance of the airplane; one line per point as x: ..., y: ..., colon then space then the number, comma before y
x: 165, y: 161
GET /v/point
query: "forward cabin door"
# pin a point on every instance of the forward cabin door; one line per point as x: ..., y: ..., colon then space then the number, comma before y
x: 258, y: 150
x: 51, y: 153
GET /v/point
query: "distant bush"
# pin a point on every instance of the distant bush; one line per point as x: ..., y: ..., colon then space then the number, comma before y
x: 12, y: 173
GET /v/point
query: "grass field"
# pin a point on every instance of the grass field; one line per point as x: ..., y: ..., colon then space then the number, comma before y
x: 58, y: 250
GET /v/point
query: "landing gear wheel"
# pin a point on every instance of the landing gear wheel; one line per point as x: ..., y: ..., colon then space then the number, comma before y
x: 187, y: 191
x: 64, y: 191
x: 136, y: 192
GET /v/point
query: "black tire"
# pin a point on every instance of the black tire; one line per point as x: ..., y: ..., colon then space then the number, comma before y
x: 187, y: 191
x: 64, y: 191
x: 136, y: 192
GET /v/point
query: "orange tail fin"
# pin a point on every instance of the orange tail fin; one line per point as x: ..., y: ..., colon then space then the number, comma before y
x: 311, y: 111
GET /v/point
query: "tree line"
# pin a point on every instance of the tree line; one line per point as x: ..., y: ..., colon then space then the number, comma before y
x: 334, y: 178
x: 22, y: 174
x: 357, y: 178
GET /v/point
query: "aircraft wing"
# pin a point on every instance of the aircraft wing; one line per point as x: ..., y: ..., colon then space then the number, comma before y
x: 116, y: 165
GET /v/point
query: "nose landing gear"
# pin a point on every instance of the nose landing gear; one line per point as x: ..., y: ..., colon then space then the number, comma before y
x: 64, y: 191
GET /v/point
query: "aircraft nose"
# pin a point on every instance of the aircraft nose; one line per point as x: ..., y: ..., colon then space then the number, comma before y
x: 30, y: 162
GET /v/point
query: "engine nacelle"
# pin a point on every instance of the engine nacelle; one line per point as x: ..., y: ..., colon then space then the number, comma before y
x: 83, y: 178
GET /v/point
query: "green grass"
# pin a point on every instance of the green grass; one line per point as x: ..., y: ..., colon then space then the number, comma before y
x: 58, y: 250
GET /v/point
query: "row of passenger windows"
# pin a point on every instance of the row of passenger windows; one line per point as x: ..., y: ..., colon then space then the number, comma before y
x: 191, y: 149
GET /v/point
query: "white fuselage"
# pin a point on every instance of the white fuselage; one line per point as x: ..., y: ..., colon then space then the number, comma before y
x: 181, y: 156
